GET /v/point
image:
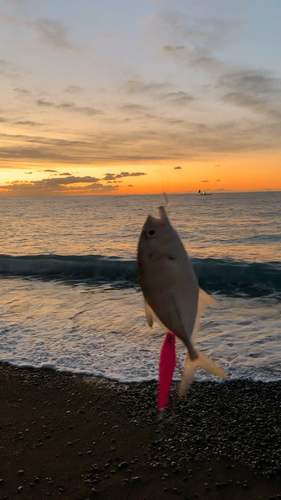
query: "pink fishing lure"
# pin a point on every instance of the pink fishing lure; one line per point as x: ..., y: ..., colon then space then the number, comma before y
x: 167, y: 365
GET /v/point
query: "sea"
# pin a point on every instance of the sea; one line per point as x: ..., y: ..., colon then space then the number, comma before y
x: 70, y: 299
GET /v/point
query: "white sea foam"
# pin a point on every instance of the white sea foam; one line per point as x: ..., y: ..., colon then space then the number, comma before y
x: 102, y: 331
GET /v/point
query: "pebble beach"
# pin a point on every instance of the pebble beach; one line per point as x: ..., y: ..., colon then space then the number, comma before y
x: 73, y: 437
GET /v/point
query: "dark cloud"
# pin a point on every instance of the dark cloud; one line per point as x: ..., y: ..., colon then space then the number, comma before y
x: 127, y: 174
x: 28, y: 172
x: 47, y: 170
x: 54, y: 34
x: 139, y: 87
x: 50, y: 32
x: 140, y: 113
x: 169, y: 141
x: 179, y: 98
x: 28, y: 123
x: 178, y: 168
x: 8, y: 69
x: 4, y: 65
x: 56, y: 186
x: 218, y: 180
x: 65, y: 173
x: 73, y: 89
x: 98, y: 149
x: 201, y: 37
x: 109, y: 177
x: 2, y: 119
x: 134, y: 108
x: 42, y: 102
x: 113, y: 177
x: 130, y: 186
x: 203, y: 32
x: 69, y: 106
x: 172, y: 48
x: 86, y: 110
x: 205, y: 181
x: 22, y: 92
x: 202, y: 59
x: 123, y: 174
x: 65, y: 181
x: 195, y: 57
x: 252, y: 82
x: 257, y: 91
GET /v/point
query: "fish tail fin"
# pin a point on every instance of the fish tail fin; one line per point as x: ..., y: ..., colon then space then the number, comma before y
x: 191, y: 366
x: 210, y: 366
x: 187, y: 375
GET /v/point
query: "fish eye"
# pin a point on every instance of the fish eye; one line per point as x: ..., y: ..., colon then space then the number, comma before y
x: 151, y: 233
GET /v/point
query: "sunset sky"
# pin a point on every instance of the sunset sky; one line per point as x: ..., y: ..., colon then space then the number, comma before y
x: 146, y: 96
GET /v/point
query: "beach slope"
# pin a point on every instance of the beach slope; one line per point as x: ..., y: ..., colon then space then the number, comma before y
x: 72, y: 437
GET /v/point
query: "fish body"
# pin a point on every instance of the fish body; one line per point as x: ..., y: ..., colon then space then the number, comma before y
x: 171, y: 291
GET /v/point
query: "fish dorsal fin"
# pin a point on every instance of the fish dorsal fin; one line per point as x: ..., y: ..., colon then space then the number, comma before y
x: 204, y: 300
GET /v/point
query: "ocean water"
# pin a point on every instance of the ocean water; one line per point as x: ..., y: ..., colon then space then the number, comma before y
x: 70, y: 298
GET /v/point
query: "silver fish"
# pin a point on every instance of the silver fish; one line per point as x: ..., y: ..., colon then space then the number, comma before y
x: 171, y: 291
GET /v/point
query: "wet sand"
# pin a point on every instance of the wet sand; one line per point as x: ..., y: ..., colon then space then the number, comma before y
x: 74, y: 437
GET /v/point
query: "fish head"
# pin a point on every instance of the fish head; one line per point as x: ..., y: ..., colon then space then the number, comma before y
x: 157, y: 234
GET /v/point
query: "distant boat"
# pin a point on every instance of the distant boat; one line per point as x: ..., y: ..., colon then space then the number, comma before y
x: 203, y: 193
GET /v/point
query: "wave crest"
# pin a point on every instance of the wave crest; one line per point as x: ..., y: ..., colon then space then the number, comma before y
x: 216, y: 275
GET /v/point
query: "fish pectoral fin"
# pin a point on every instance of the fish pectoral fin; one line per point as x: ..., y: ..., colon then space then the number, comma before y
x: 148, y: 313
x: 151, y: 316
x: 205, y: 300
x: 191, y: 366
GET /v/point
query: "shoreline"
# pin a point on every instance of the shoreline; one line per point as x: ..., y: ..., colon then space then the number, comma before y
x: 77, y: 437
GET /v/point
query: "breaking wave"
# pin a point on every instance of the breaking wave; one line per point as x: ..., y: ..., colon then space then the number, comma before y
x: 216, y: 275
x: 70, y: 267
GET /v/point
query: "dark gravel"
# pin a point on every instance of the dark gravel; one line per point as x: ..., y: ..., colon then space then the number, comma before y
x: 239, y: 419
x: 75, y: 438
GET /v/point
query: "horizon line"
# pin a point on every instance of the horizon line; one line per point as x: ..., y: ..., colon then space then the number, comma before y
x: 137, y: 194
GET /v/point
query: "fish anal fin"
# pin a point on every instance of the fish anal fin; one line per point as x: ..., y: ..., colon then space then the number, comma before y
x: 205, y: 300
x: 191, y: 366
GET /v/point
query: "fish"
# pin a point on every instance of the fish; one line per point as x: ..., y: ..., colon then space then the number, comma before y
x: 172, y: 296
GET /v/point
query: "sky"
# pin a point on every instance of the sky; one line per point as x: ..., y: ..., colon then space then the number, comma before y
x: 107, y: 97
